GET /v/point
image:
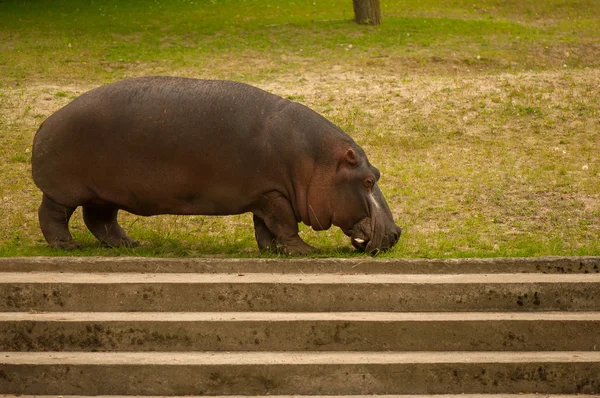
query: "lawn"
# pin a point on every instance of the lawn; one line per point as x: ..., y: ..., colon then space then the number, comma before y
x: 482, y: 116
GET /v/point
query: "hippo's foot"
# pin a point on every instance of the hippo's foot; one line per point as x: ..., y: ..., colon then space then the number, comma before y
x: 54, y: 223
x: 299, y: 249
x: 302, y: 249
x: 102, y: 223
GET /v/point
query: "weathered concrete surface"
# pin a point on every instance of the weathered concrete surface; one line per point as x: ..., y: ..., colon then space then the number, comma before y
x: 370, y: 331
x: 299, y: 326
x: 358, y: 265
x: 50, y: 291
x: 298, y: 373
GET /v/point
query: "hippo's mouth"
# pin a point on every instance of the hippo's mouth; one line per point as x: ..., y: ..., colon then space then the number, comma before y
x: 360, y: 234
x: 360, y: 244
x: 366, y: 237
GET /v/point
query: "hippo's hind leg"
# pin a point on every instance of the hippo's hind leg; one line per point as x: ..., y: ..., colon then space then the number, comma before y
x: 280, y: 222
x: 102, y: 223
x: 54, y: 223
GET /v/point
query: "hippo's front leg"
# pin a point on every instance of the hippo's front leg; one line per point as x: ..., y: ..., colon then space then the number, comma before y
x: 278, y: 216
x: 267, y: 242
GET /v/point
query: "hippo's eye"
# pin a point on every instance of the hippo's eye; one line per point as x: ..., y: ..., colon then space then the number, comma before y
x: 369, y: 182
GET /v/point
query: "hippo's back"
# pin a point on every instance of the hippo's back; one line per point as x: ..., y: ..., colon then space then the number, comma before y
x: 149, y: 108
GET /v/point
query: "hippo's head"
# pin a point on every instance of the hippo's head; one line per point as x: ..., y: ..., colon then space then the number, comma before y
x: 357, y: 205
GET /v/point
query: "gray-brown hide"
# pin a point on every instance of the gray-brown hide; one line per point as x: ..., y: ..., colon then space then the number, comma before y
x: 165, y: 145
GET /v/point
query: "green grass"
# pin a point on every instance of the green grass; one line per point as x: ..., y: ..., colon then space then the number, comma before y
x: 101, y: 41
x: 483, y: 116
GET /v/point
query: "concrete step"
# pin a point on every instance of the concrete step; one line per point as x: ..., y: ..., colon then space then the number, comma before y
x: 92, y: 326
x: 357, y: 265
x: 185, y: 292
x: 326, y: 373
x: 277, y: 331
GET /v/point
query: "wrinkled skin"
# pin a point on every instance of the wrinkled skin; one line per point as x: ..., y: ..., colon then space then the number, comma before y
x: 161, y: 145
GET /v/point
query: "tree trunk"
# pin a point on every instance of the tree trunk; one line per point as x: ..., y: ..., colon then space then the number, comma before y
x: 367, y: 12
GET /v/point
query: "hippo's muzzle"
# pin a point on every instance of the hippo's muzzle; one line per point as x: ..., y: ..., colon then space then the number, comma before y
x: 378, y: 232
x: 367, y: 237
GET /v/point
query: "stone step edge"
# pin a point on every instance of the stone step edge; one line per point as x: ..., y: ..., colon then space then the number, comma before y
x: 304, y: 279
x: 274, y: 358
x: 161, y: 317
x: 365, y: 264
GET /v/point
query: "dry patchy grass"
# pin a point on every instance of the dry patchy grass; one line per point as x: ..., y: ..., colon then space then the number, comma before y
x: 473, y: 165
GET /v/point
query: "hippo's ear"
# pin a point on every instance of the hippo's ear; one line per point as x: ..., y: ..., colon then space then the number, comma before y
x: 351, y: 157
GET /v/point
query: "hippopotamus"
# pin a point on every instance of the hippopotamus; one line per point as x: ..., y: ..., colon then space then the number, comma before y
x: 170, y: 145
